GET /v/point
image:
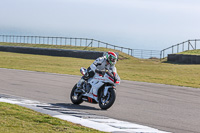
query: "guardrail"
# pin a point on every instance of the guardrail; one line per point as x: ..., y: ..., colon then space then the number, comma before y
x: 85, y: 42
x: 180, y: 47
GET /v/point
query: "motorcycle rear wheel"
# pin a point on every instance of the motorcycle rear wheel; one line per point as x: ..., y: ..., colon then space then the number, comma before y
x: 107, y: 101
x: 76, y: 98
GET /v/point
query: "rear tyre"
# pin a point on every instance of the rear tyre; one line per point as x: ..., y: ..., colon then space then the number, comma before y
x: 75, y: 97
x: 107, y: 101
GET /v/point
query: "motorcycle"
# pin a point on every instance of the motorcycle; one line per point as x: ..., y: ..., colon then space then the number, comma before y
x: 100, y: 89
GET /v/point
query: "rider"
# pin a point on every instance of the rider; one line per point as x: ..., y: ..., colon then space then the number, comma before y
x: 106, y: 62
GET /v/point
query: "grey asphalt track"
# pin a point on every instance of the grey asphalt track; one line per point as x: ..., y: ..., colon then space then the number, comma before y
x: 165, y: 107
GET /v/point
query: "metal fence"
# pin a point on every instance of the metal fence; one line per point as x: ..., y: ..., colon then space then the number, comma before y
x: 84, y: 42
x: 180, y: 47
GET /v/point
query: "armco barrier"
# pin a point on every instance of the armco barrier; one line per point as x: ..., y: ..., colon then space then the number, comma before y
x: 53, y: 52
x: 185, y: 59
x: 197, y: 59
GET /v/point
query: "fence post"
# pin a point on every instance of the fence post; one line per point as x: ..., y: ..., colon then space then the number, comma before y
x: 160, y: 55
x: 98, y: 44
x: 131, y: 52
x: 177, y: 48
x: 195, y: 46
x: 183, y: 46
x: 56, y: 40
x: 24, y: 39
x: 27, y: 39
x: 163, y: 54
x: 16, y: 39
x: 65, y: 41
x: 38, y: 40
x: 47, y: 41
x: 91, y: 42
x: 31, y: 39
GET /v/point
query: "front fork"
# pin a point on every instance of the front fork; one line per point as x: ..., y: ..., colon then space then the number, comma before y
x: 106, y: 90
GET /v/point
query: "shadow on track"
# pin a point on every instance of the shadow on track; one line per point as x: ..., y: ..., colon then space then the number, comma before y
x: 73, y: 106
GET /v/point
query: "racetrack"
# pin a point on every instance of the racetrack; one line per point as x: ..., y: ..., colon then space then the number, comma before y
x: 165, y: 107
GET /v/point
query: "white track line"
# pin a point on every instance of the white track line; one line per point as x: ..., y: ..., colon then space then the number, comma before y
x: 100, y: 123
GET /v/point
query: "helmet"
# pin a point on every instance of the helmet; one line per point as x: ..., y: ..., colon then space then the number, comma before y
x: 111, y: 58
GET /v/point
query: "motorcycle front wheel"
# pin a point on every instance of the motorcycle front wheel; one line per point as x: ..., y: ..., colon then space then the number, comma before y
x: 107, y: 101
x: 76, y: 97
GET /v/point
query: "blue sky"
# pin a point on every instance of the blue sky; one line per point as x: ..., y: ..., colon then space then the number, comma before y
x: 138, y: 24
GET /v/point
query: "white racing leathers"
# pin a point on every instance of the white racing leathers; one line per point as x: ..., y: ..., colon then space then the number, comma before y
x: 101, y: 64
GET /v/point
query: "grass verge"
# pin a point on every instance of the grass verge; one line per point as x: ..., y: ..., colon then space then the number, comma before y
x: 191, y: 52
x: 134, y: 69
x: 121, y: 55
x: 17, y: 119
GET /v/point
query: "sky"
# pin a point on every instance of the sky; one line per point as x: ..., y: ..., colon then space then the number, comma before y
x: 137, y: 24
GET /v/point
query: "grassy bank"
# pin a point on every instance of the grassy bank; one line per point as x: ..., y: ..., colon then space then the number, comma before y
x: 121, y: 56
x: 191, y: 52
x: 129, y: 69
x: 17, y: 119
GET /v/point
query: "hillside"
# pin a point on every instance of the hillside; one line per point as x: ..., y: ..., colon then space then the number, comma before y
x: 191, y: 52
x: 121, y: 54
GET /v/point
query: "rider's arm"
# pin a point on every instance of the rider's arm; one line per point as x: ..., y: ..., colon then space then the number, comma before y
x: 114, y: 69
x: 96, y: 63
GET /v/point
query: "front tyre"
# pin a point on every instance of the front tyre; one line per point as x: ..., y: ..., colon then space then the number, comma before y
x: 76, y: 97
x: 107, y: 101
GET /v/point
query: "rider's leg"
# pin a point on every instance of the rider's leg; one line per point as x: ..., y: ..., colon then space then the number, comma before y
x: 80, y: 82
x: 88, y: 75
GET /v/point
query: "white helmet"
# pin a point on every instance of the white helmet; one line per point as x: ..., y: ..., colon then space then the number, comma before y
x: 111, y: 58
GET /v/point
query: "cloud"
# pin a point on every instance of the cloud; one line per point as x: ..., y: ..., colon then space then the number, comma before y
x: 122, y: 20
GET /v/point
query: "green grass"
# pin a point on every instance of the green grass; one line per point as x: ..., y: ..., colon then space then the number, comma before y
x: 121, y: 56
x: 17, y: 119
x: 134, y: 69
x: 129, y: 68
x: 191, y: 52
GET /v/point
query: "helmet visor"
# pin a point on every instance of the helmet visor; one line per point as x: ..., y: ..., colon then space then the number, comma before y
x: 112, y: 58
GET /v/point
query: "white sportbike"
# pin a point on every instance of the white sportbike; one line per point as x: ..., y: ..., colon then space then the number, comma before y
x: 99, y: 89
